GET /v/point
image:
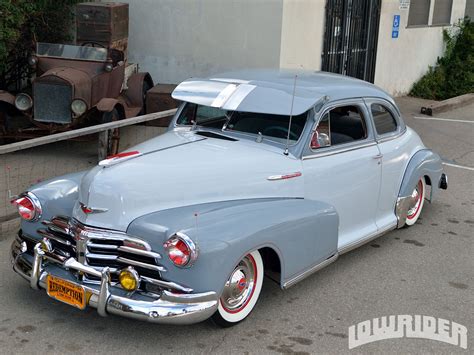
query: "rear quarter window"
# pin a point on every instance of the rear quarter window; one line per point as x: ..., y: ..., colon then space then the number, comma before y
x: 383, y: 119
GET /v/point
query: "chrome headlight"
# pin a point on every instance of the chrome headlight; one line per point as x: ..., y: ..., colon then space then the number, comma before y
x: 29, y: 206
x: 79, y: 107
x: 181, y: 250
x: 23, y: 102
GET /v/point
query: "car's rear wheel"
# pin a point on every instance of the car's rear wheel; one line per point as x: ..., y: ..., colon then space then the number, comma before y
x: 241, y: 291
x: 416, y: 205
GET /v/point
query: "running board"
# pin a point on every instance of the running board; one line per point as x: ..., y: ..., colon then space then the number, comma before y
x: 369, y: 238
x: 310, y: 271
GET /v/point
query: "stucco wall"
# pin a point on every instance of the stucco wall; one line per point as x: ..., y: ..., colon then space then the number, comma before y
x: 176, y: 39
x: 402, y: 61
x: 302, y: 34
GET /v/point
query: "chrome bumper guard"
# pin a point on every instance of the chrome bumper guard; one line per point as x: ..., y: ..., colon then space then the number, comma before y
x: 167, y: 308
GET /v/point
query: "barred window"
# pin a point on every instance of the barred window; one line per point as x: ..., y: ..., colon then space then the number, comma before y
x: 419, y: 12
x: 442, y: 12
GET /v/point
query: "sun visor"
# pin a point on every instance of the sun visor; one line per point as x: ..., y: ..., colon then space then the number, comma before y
x: 247, y: 97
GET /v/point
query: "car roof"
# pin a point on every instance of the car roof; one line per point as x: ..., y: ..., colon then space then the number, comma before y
x: 271, y: 91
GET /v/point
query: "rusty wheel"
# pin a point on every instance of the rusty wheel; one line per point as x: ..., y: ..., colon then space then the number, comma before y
x: 113, y: 137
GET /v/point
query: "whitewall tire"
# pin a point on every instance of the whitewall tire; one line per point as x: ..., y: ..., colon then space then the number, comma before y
x: 241, y: 291
x: 416, y: 205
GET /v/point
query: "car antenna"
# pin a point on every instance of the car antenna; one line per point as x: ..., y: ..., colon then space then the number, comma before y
x: 291, y: 117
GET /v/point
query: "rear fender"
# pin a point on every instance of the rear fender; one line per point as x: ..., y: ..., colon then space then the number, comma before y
x: 303, y: 233
x: 424, y: 163
x: 134, y: 92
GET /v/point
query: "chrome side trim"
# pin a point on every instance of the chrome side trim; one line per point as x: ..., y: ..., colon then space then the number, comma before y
x: 339, y: 150
x: 310, y: 271
x: 370, y: 237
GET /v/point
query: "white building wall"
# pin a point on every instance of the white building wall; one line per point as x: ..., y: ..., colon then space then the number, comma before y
x: 402, y: 61
x: 302, y: 34
x: 177, y: 39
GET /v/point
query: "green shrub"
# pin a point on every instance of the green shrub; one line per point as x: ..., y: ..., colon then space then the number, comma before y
x: 453, y: 74
x: 22, y: 23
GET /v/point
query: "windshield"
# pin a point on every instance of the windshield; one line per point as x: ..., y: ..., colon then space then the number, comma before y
x: 71, y: 52
x: 272, y: 127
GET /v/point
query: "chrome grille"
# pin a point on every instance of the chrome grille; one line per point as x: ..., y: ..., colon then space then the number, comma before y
x: 100, y: 248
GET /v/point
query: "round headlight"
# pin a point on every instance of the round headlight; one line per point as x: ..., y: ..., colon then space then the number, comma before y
x: 109, y: 67
x: 23, y: 102
x: 129, y: 279
x: 79, y: 107
x: 28, y: 205
x: 181, y: 250
x: 32, y: 60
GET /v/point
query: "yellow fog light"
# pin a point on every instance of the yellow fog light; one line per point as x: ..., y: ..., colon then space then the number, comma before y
x: 129, y: 279
x: 46, y: 245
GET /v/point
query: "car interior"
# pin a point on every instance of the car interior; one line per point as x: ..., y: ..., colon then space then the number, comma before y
x: 342, y: 124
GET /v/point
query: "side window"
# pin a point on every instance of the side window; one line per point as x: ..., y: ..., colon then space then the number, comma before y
x: 383, y: 119
x: 341, y: 125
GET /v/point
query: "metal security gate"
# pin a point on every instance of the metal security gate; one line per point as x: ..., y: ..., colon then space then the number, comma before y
x: 350, y: 41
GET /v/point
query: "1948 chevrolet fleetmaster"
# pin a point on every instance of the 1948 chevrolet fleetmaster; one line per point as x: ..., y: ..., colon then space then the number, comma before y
x: 260, y: 173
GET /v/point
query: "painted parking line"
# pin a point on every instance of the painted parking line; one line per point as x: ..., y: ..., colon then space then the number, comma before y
x: 458, y: 166
x: 441, y: 119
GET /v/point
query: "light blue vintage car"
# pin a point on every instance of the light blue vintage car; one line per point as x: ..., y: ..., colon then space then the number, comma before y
x: 260, y: 173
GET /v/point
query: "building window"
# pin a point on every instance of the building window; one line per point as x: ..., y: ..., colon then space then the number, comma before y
x: 419, y: 13
x: 442, y: 12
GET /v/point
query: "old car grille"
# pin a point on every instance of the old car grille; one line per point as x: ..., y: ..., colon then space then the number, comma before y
x: 100, y: 248
x: 52, y: 102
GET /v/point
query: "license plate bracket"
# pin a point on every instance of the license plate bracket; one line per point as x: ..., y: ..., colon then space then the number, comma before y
x: 66, y: 292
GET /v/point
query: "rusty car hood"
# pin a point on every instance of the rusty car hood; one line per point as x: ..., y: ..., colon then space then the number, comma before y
x: 183, y: 169
x: 79, y: 79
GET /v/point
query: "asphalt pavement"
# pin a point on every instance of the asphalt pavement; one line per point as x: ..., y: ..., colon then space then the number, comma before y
x: 427, y: 269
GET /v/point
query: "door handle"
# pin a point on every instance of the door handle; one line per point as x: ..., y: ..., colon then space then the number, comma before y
x: 378, y: 156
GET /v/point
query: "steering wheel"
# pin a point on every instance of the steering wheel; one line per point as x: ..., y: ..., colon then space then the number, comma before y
x: 93, y: 44
x: 279, y: 129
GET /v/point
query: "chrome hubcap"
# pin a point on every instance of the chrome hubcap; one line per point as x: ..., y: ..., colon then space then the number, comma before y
x: 416, y: 197
x: 239, y: 288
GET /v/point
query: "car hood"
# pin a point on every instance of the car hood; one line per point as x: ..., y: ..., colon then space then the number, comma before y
x: 183, y: 169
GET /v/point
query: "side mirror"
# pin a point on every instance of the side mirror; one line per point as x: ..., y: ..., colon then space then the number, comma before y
x: 320, y: 140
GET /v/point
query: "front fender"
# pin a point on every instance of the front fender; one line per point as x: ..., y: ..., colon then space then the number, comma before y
x: 57, y: 197
x: 302, y: 232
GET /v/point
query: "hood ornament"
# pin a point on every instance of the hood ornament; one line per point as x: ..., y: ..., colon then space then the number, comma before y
x: 91, y: 210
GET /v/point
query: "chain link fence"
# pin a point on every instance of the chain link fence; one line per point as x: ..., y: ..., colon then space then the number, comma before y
x: 22, y: 168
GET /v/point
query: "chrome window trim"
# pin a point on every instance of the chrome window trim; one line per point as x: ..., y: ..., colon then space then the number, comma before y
x: 396, y: 114
x: 345, y: 147
x: 340, y: 149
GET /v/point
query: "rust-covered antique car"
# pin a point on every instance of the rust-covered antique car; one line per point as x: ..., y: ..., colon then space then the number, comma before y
x: 83, y: 84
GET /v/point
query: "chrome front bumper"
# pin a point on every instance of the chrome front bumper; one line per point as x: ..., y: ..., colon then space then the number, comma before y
x: 166, y: 308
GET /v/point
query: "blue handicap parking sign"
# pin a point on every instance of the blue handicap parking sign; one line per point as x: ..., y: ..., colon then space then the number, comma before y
x: 395, y: 26
x: 394, y: 34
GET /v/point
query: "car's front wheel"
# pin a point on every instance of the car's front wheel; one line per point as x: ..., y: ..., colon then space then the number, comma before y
x: 417, y: 200
x: 241, y: 291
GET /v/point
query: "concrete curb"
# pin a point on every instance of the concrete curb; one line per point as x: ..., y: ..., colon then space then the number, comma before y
x: 449, y: 104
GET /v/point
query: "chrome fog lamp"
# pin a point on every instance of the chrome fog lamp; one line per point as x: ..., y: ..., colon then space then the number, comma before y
x: 79, y: 107
x: 23, y: 102
x: 129, y: 279
x: 32, y: 60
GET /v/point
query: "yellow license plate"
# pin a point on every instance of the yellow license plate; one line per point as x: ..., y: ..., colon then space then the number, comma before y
x: 66, y: 292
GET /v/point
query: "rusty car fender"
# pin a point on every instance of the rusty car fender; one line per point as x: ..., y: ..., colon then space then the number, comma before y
x: 134, y: 92
x: 6, y: 97
x: 108, y: 104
